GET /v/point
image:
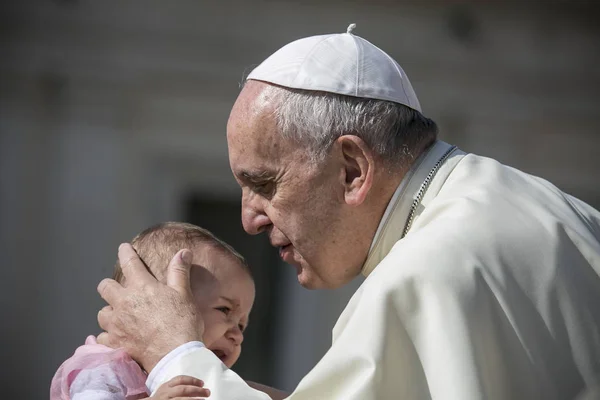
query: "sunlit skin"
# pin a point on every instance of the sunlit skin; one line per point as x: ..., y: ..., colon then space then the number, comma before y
x: 223, y: 293
x: 321, y: 216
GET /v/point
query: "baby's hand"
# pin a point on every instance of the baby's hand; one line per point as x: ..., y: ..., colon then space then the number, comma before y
x: 181, y: 387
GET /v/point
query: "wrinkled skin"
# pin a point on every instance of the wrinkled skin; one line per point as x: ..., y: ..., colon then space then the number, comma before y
x: 322, y: 216
x: 148, y: 318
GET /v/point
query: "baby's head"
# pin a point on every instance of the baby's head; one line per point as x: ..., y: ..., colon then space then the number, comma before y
x: 222, y: 284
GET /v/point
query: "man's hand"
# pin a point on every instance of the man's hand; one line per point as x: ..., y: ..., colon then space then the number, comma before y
x: 147, y: 318
x: 181, y: 387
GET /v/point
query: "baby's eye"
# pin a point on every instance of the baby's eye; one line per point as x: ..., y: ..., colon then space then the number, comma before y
x: 224, y: 310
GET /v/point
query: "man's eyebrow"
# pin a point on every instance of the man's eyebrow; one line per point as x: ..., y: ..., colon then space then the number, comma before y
x: 253, y: 176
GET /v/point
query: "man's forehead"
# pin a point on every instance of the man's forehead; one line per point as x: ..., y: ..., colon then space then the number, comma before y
x: 252, y: 148
x: 253, y: 139
x: 255, y: 98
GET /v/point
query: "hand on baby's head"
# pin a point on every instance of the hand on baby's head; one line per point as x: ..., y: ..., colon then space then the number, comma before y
x: 221, y: 283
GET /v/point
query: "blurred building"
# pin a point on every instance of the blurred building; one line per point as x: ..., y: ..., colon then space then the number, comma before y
x: 112, y: 118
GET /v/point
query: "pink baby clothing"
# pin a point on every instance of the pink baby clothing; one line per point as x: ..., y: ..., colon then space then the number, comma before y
x: 98, y: 372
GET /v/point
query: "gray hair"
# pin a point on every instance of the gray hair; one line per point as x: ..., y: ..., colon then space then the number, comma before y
x: 316, y: 119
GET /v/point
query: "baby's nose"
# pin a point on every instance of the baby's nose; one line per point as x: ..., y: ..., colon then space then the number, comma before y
x: 236, y: 335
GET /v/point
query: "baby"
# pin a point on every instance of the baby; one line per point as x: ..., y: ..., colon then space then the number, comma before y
x: 223, y: 291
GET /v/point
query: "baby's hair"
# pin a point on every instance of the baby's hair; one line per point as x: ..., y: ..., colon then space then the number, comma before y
x: 157, y: 245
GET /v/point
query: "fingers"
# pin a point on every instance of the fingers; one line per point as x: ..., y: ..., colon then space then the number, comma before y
x: 105, y: 317
x: 187, y: 391
x: 178, y: 272
x: 133, y: 268
x: 104, y: 339
x: 185, y: 380
x: 186, y: 387
x: 191, y: 398
x: 111, y: 291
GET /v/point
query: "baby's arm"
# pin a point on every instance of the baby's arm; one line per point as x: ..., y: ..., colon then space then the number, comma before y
x: 274, y: 394
x: 104, y: 384
x: 97, y: 372
x: 101, y: 383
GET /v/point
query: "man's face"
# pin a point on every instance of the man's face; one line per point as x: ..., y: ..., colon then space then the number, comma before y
x: 299, y: 205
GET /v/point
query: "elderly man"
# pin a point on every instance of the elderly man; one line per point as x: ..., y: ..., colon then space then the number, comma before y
x: 482, y: 282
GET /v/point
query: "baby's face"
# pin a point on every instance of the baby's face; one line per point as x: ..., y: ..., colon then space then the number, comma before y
x: 224, y: 293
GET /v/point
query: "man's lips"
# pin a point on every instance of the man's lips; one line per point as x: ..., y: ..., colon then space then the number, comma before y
x: 287, y: 253
x: 279, y: 242
x: 286, y: 249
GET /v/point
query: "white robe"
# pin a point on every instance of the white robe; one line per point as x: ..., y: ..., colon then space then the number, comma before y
x: 493, y: 293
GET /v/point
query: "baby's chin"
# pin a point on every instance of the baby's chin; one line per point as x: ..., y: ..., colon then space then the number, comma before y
x: 230, y: 363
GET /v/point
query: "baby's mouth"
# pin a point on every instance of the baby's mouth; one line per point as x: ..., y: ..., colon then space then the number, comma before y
x: 222, y: 355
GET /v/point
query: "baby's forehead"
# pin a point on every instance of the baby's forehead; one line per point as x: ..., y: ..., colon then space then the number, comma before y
x: 214, y: 257
x: 205, y: 253
x: 222, y: 276
x: 231, y: 281
x: 201, y: 275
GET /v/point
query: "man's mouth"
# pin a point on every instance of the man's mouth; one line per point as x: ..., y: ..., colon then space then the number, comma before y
x: 287, y: 253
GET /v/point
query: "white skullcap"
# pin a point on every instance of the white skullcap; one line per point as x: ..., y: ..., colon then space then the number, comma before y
x: 339, y: 63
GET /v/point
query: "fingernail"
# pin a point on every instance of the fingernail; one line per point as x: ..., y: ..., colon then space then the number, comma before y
x: 187, y: 256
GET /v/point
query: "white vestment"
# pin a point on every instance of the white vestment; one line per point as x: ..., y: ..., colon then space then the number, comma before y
x: 483, y: 282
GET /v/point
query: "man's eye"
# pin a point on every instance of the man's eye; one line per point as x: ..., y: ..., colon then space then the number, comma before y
x: 224, y: 310
x: 263, y: 188
x: 242, y: 328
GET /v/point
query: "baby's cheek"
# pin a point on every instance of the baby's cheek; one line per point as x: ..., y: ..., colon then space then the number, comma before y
x: 211, y: 334
x: 235, y: 356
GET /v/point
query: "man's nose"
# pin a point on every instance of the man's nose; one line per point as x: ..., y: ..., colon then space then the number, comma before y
x: 235, y: 334
x: 254, y: 218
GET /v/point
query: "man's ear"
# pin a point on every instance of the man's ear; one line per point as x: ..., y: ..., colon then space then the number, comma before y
x: 358, y: 168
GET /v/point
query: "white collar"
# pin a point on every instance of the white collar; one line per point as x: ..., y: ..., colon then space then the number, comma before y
x: 388, y: 211
x: 398, y: 211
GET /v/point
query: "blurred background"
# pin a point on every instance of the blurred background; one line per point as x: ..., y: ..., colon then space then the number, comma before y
x: 112, y: 118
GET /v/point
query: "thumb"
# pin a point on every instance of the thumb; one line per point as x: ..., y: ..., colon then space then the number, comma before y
x: 178, y: 272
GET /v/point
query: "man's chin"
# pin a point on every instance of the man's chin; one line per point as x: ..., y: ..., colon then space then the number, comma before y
x: 307, y: 277
x: 310, y: 281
